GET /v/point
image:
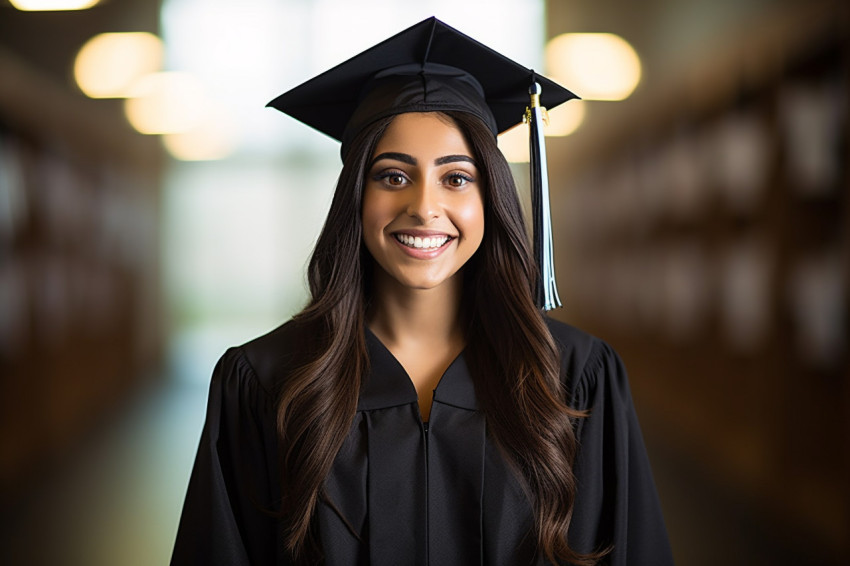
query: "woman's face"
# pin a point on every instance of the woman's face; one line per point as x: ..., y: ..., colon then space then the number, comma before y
x: 423, y: 207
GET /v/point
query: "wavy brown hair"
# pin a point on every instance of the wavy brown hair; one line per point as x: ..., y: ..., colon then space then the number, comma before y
x: 512, y: 357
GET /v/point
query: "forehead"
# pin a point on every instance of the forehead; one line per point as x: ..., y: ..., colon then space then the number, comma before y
x: 424, y: 132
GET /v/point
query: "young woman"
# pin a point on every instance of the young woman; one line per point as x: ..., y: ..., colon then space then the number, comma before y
x: 421, y: 409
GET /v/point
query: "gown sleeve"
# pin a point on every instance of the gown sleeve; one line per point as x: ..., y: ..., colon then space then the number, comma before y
x: 617, y: 503
x: 226, y: 517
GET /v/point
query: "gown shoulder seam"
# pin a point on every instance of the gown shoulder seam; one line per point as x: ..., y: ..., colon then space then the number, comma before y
x: 244, y: 364
x: 593, y: 368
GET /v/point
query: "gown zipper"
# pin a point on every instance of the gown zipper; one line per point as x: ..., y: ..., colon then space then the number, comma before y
x: 425, y: 429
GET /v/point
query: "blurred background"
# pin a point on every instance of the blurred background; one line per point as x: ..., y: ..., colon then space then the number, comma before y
x: 153, y: 213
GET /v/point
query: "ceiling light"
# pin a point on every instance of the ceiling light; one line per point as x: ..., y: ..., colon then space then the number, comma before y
x: 166, y: 103
x: 596, y: 66
x: 213, y: 138
x: 52, y: 5
x: 109, y: 63
x: 565, y: 118
x: 514, y: 144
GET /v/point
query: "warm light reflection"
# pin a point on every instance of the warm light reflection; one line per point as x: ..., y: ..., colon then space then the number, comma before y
x: 109, y: 63
x: 514, y: 144
x: 214, y: 138
x: 52, y: 5
x: 166, y: 103
x: 596, y: 66
x: 565, y: 118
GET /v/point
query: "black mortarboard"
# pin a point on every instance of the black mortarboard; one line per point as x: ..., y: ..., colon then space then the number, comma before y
x: 454, y: 71
x: 432, y: 67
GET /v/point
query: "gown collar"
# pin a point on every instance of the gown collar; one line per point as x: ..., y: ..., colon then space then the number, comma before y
x: 388, y: 385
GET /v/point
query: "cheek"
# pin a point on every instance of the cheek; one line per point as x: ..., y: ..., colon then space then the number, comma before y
x: 471, y: 218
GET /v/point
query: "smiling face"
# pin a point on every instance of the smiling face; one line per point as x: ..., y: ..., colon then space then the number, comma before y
x: 423, y: 207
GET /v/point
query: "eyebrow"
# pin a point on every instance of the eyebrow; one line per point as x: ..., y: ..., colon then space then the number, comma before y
x: 410, y: 160
x: 403, y: 157
x: 453, y: 159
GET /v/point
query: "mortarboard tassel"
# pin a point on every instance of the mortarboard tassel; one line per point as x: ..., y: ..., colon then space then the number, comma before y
x: 546, y: 295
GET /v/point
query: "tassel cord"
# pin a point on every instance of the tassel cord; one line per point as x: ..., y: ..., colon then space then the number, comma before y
x: 546, y: 289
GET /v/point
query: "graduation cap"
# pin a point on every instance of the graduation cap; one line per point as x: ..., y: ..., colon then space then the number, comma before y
x: 433, y: 67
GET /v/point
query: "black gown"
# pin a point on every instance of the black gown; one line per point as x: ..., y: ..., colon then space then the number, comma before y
x: 407, y: 494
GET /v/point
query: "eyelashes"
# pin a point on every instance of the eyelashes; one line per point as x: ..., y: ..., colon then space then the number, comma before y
x: 464, y: 178
x: 398, y: 178
x: 391, y: 177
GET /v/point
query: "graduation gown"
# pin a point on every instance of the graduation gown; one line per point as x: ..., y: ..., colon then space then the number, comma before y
x: 405, y: 493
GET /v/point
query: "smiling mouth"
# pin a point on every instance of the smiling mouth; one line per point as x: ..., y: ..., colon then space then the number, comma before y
x: 427, y: 243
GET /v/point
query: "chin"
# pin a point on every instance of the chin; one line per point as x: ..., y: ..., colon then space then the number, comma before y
x: 422, y: 282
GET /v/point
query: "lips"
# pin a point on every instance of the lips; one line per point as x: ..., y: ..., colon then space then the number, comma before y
x: 431, y: 242
x: 420, y: 244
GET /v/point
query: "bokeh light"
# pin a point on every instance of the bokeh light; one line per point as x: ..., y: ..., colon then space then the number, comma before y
x: 596, y: 66
x: 215, y: 137
x: 52, y: 5
x: 109, y: 63
x: 166, y: 103
x: 514, y: 144
x: 565, y: 118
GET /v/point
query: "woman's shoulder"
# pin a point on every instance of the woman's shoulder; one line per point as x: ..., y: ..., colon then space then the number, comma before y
x: 578, y: 349
x: 273, y: 355
x: 584, y: 358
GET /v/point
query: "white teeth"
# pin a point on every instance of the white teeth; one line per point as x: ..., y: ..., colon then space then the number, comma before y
x: 420, y: 243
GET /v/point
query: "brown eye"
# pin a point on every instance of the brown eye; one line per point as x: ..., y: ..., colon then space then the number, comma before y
x: 456, y: 180
x: 391, y: 178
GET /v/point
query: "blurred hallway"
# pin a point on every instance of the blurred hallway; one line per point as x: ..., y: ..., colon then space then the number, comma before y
x: 116, y: 499
x: 702, y: 230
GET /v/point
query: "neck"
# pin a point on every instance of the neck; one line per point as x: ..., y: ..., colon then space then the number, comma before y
x: 399, y: 315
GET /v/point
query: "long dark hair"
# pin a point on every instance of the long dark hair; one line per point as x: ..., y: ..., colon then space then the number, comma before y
x: 512, y: 357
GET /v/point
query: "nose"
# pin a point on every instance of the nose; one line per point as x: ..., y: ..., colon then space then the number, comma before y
x: 424, y: 202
